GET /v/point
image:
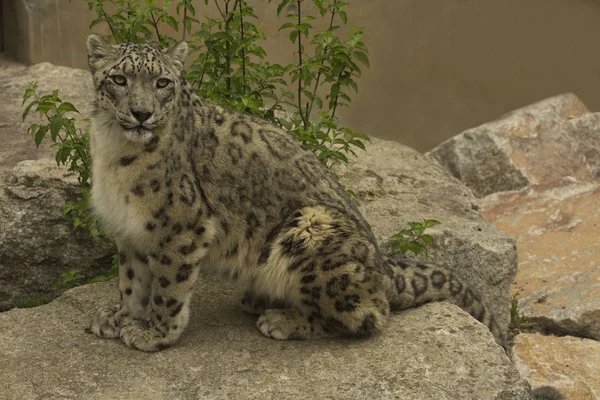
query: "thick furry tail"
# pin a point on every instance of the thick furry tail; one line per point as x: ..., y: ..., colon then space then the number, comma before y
x: 421, y: 283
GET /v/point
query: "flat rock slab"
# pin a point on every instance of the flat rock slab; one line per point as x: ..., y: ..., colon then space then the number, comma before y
x: 570, y: 364
x: 536, y: 144
x: 433, y: 352
x: 556, y: 227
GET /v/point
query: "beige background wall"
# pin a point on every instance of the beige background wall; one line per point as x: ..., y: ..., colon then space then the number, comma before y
x: 437, y: 66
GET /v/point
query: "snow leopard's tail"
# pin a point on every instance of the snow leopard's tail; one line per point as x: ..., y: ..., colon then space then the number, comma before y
x: 420, y: 283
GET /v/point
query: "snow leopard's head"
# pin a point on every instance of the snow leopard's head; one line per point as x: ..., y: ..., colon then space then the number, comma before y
x: 137, y: 85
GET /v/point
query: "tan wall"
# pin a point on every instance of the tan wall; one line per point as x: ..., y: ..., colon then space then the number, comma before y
x: 437, y: 66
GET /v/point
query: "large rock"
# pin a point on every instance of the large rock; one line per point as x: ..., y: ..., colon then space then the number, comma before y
x: 75, y: 86
x: 545, y: 193
x: 554, y: 145
x: 556, y: 227
x: 434, y: 352
x: 38, y: 243
x: 395, y: 185
x: 526, y: 146
x: 570, y: 364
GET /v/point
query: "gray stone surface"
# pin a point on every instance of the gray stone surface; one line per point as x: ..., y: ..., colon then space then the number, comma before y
x: 75, y: 86
x: 38, y: 243
x: 526, y: 146
x: 396, y: 184
x: 434, y: 352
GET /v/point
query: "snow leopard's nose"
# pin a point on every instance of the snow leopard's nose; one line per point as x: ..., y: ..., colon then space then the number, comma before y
x: 141, y: 115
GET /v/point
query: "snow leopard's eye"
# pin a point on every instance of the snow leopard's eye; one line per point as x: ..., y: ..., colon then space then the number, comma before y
x: 162, y: 83
x: 119, y: 80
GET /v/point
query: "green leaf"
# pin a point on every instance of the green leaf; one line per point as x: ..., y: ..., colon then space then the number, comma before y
x: 45, y: 106
x: 95, y: 22
x: 32, y: 128
x: 28, y: 108
x: 343, y: 16
x: 171, y: 22
x: 358, y: 144
x: 56, y: 123
x: 428, y: 223
x: 282, y: 5
x: 335, y: 90
x: 403, y: 246
x: 286, y: 26
x: 415, y: 247
x: 362, y: 57
x: 427, y: 239
x: 66, y: 106
x: 39, y: 135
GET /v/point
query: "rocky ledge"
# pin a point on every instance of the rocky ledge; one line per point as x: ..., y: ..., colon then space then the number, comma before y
x: 433, y: 352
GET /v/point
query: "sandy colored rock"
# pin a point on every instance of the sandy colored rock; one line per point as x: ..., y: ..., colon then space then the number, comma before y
x: 570, y: 364
x: 434, y: 352
x: 536, y: 144
x: 556, y: 227
x: 396, y: 184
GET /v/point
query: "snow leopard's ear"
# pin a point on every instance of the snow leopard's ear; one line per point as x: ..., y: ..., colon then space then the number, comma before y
x: 98, y: 50
x: 177, y: 53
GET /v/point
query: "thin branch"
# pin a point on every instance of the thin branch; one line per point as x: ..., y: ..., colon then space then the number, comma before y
x: 155, y: 27
x: 227, y: 51
x: 243, y: 49
x: 183, y: 21
x: 230, y: 16
x: 335, y: 102
x: 314, y: 93
x: 219, y: 8
x: 304, y: 121
x: 109, y: 24
x: 204, y: 65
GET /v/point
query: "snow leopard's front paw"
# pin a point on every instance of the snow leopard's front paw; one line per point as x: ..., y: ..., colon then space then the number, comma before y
x: 108, y: 322
x: 142, y: 335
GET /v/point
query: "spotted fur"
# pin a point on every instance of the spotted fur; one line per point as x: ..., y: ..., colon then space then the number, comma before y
x: 183, y: 186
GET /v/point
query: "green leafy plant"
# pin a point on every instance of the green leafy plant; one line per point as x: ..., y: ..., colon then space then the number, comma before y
x: 111, y: 273
x: 68, y: 279
x: 414, y: 239
x: 229, y: 65
x: 72, y: 148
x: 518, y: 319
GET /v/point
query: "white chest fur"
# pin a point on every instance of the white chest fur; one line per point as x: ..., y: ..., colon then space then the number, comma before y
x: 123, y: 214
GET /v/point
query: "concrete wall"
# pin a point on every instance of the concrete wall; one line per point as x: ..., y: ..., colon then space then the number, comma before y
x: 437, y: 66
